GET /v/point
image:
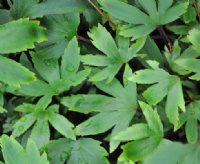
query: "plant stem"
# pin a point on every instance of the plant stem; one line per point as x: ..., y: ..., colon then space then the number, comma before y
x: 165, y: 38
x: 196, y: 8
x: 114, y: 26
x: 81, y: 38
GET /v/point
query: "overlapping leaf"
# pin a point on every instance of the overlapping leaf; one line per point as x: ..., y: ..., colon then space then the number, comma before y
x: 14, y: 153
x: 84, y: 150
x: 59, y: 79
x: 191, y: 118
x: 173, y: 153
x: 190, y: 62
x: 143, y: 22
x: 147, y: 136
x: 116, y: 111
x: 164, y: 85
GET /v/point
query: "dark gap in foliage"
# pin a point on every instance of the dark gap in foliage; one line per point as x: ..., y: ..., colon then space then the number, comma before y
x: 5, y: 4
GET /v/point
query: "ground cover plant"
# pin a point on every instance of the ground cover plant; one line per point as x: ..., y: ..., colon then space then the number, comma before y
x: 99, y: 81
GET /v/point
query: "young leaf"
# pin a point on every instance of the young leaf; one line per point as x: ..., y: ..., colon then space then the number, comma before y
x: 26, y: 33
x: 139, y: 23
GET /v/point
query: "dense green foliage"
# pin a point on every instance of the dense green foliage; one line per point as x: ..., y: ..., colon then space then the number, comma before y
x: 98, y: 82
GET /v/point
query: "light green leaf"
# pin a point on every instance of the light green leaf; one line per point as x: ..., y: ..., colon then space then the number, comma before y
x: 18, y: 75
x: 153, y: 119
x: 115, y: 57
x: 62, y: 125
x: 40, y: 133
x: 116, y: 111
x: 14, y: 153
x: 23, y: 124
x: 70, y: 59
x: 165, y: 85
x: 139, y: 149
x: 26, y: 33
x: 135, y: 132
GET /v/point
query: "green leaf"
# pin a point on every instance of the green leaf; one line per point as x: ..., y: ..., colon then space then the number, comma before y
x: 116, y: 111
x: 165, y: 85
x: 191, y: 118
x: 56, y: 27
x: 139, y: 149
x: 135, y: 132
x: 14, y: 153
x: 48, y: 68
x: 193, y: 37
x: 153, y: 53
x: 70, y: 59
x: 62, y: 125
x: 32, y: 9
x: 84, y: 150
x: 173, y: 153
x: 147, y: 136
x: 139, y: 23
x: 115, y: 56
x: 40, y: 133
x: 153, y: 119
x: 17, y: 76
x: 69, y: 74
x: 27, y: 32
x: 23, y: 124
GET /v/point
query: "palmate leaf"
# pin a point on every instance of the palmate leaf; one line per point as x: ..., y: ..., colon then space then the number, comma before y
x: 141, y: 23
x: 63, y: 77
x: 116, y: 111
x: 84, y: 150
x: 164, y: 85
x: 189, y: 62
x: 14, y: 153
x: 146, y: 137
x: 14, y: 73
x: 32, y: 9
x: 40, y: 116
x: 115, y: 57
x: 20, y: 35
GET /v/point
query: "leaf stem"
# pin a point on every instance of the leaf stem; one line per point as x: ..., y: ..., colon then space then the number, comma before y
x: 196, y: 8
x: 114, y: 26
